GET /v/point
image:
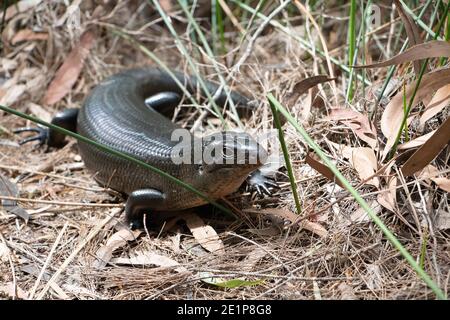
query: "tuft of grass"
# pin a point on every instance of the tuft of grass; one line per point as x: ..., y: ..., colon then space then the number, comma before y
x: 416, y: 88
x: 392, y: 69
x: 389, y: 235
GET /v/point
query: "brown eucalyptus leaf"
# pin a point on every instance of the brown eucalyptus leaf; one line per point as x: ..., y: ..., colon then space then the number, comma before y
x: 68, y: 73
x: 439, y: 101
x: 205, y: 235
x: 432, y: 49
x: 393, y: 114
x: 428, y: 151
x: 411, y: 30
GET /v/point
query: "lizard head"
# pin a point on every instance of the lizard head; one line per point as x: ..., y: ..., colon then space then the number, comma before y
x: 228, y: 158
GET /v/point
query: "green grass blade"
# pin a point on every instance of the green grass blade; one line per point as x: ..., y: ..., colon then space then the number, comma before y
x: 394, y: 67
x: 221, y: 26
x: 351, y: 45
x: 189, y: 60
x: 210, y: 54
x: 287, y: 161
x: 416, y: 88
x: 421, y: 24
x: 389, y: 235
x: 302, y: 41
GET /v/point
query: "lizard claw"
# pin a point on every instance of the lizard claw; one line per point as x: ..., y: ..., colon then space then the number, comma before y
x: 260, y: 183
x: 41, y: 136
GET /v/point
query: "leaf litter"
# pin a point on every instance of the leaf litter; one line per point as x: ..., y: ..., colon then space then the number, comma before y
x: 117, y: 264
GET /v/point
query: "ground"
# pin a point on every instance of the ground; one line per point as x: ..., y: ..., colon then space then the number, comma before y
x: 75, y: 243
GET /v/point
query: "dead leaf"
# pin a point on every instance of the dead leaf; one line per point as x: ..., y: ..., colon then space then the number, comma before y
x: 429, y: 150
x: 365, y: 163
x: 374, y: 279
x: 304, y: 85
x: 13, y: 291
x: 9, y: 189
x: 393, y: 114
x: 205, y: 235
x: 12, y: 94
x: 314, y: 227
x: 388, y: 197
x: 358, y: 122
x: 166, y: 5
x: 411, y: 30
x: 116, y: 241
x: 439, y: 101
x: 4, y: 252
x: 284, y: 215
x: 361, y: 216
x: 417, y: 142
x: 432, y: 49
x: 432, y: 173
x: 21, y: 6
x: 39, y: 112
x: 28, y: 35
x: 281, y: 214
x: 71, y: 12
x: 322, y: 169
x: 443, y: 220
x: 252, y: 259
x: 149, y: 258
x: 68, y: 73
x: 347, y: 292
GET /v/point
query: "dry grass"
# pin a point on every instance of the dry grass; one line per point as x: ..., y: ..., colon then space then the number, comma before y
x: 353, y: 261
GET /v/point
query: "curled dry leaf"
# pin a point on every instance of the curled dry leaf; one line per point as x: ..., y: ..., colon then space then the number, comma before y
x: 205, y: 235
x: 361, y: 216
x: 252, y: 259
x: 116, y: 241
x: 388, y: 197
x: 289, y: 216
x: 68, y: 73
x: 439, y: 101
x: 358, y: 122
x: 39, y: 112
x: 21, y: 6
x: 365, y: 163
x: 393, y: 114
x: 304, y: 85
x: 28, y: 35
x: 314, y: 227
x: 9, y: 189
x: 417, y: 142
x: 322, y: 169
x: 411, y: 30
x: 429, y: 150
x: 432, y: 49
x: 432, y: 173
x: 10, y: 93
x: 282, y: 216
